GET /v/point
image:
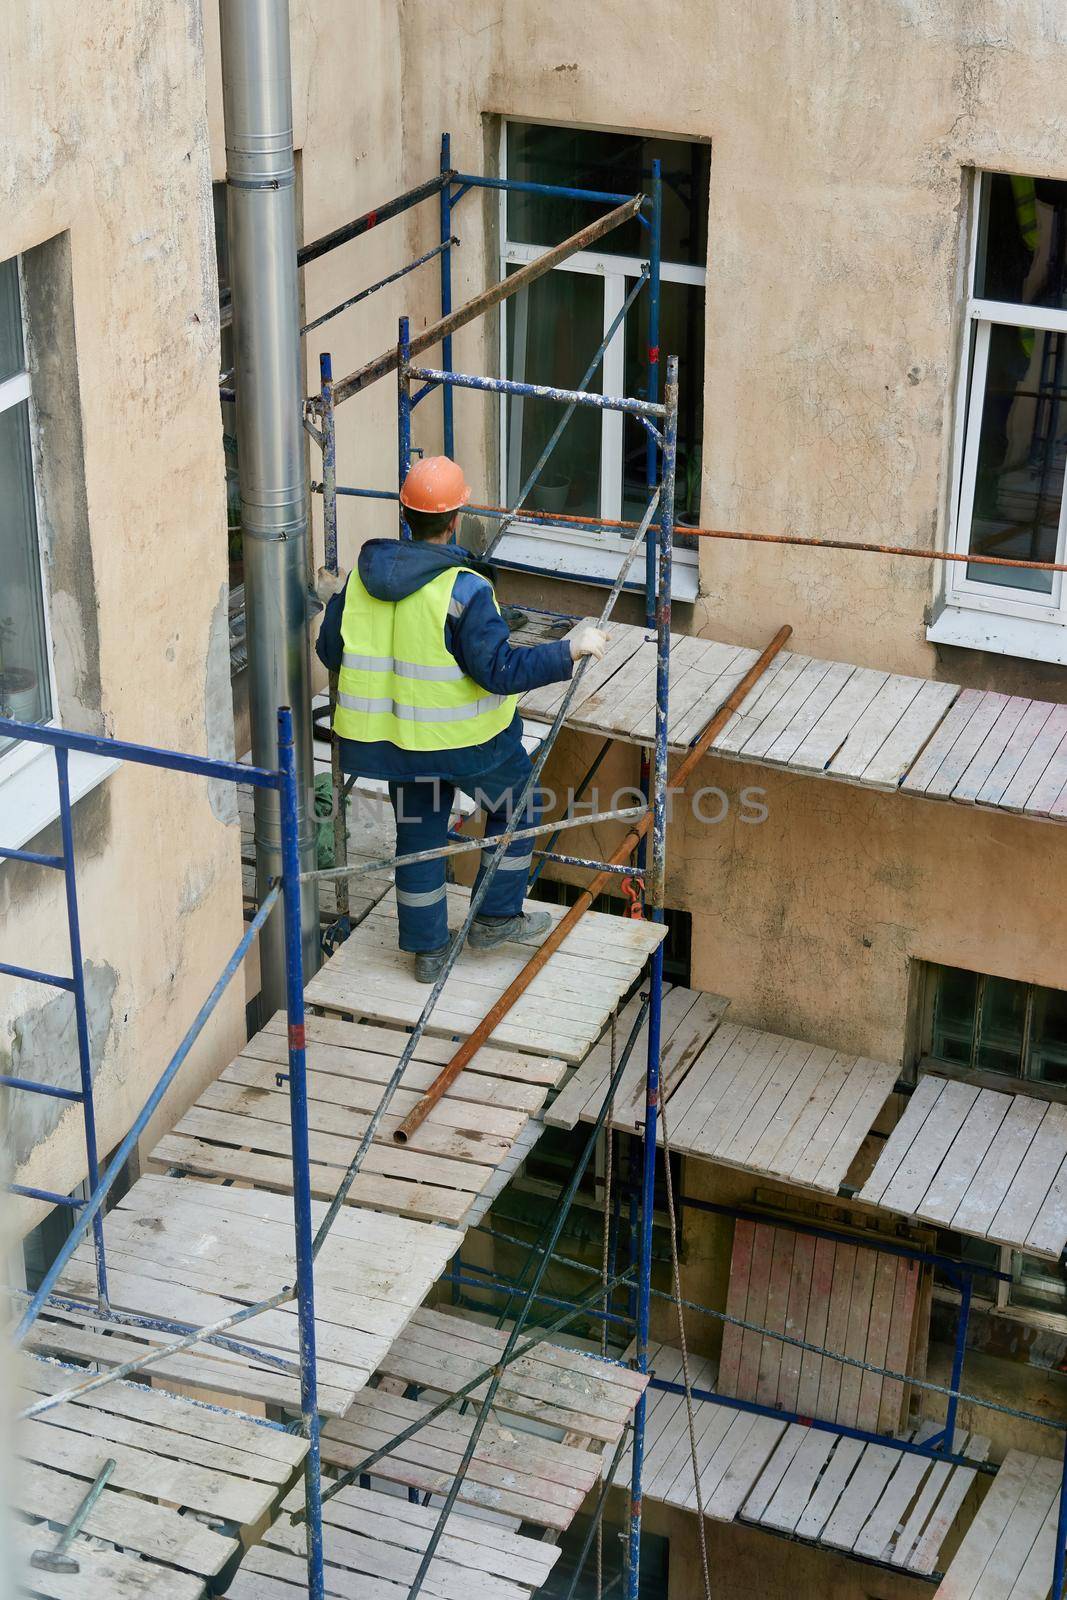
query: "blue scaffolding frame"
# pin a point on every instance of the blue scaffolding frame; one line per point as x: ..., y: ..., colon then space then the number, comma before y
x: 89, y: 1211
x: 660, y: 421
x: 451, y: 187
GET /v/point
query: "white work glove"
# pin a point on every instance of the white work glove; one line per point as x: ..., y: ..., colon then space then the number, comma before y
x: 328, y: 583
x: 589, y: 641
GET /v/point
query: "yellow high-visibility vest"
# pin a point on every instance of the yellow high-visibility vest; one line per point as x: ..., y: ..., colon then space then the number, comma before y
x: 400, y: 682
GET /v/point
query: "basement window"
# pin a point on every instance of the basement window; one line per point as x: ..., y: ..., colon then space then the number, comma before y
x: 1011, y: 424
x: 978, y: 1025
x: 550, y: 331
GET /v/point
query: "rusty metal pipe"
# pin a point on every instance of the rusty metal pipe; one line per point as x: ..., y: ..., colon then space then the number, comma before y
x: 481, y: 303
x: 519, y: 984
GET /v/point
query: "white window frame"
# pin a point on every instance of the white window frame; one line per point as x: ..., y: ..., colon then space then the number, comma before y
x: 12, y: 393
x: 989, y: 615
x: 1037, y: 1316
x: 29, y: 788
x: 614, y: 270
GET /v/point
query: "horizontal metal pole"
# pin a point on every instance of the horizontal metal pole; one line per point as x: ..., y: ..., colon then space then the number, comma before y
x: 373, y: 219
x: 34, y: 857
x: 53, y: 1199
x: 590, y: 866
x: 325, y: 874
x: 145, y: 755
x: 34, y: 976
x: 389, y: 360
x: 540, y: 391
x: 33, y: 1087
x: 96, y: 1200
x: 562, y: 191
x: 393, y: 277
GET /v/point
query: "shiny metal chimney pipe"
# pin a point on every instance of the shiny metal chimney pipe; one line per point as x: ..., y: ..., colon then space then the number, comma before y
x: 261, y: 203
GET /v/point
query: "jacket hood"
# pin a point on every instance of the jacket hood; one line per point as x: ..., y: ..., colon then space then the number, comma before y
x: 391, y: 569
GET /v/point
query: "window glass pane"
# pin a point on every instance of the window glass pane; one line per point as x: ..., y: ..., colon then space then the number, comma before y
x: 620, y: 164
x: 24, y: 687
x: 1038, y: 1285
x: 1021, y: 241
x: 12, y: 356
x: 681, y: 334
x: 1048, y: 1037
x: 955, y: 998
x: 553, y: 328
x: 1001, y: 1023
x: 1021, y: 451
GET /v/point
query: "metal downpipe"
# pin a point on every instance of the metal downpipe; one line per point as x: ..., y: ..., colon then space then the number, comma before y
x: 261, y: 205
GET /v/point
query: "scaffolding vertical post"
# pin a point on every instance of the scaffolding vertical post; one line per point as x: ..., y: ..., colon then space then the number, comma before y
x: 81, y: 1016
x: 298, y: 1114
x: 651, y: 453
x: 654, y: 900
x: 447, y: 414
x: 328, y: 418
x: 403, y: 416
x: 966, y: 1287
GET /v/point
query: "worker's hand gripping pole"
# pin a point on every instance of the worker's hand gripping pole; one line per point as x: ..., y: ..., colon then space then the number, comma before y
x: 482, y: 1033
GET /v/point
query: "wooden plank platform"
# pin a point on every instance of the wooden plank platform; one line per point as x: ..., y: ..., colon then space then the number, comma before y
x: 876, y: 1502
x: 980, y: 1162
x: 175, y: 1462
x: 832, y: 719
x: 1008, y: 1551
x: 373, y: 1544
x: 196, y: 1252
x: 561, y: 1014
x: 553, y: 1386
x: 103, y: 1572
x: 515, y: 1472
x: 847, y: 1298
x: 239, y: 1127
x: 690, y: 1018
x: 739, y: 1096
x: 873, y: 1501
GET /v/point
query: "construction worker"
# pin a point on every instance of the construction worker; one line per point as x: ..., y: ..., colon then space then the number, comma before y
x: 427, y: 699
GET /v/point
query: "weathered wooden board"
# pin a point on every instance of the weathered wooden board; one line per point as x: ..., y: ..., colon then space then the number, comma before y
x: 239, y: 1127
x: 562, y: 1013
x: 553, y: 1385
x: 103, y: 1573
x: 980, y: 1162
x: 1008, y: 1551
x: 872, y: 1500
x: 849, y: 1299
x: 195, y: 1252
x: 373, y: 1544
x: 854, y: 724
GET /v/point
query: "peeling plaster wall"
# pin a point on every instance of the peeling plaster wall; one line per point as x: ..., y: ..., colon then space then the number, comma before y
x: 105, y: 187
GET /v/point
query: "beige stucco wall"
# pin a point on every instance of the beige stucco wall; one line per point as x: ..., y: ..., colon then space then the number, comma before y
x: 105, y: 138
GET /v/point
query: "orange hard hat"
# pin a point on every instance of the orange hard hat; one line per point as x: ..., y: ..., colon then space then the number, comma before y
x: 435, y: 483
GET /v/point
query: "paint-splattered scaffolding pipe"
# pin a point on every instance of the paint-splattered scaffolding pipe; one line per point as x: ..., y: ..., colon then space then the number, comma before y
x: 260, y: 183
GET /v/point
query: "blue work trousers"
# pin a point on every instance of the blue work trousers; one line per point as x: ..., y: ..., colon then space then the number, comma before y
x: 422, y: 807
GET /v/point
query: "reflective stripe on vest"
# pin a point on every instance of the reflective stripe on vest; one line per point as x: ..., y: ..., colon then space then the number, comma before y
x: 400, y: 683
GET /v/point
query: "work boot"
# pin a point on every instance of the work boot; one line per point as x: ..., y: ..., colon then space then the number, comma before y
x: 487, y: 932
x: 429, y: 964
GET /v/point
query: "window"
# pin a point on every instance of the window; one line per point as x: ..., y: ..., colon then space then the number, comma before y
x: 1036, y: 1284
x: 980, y: 1024
x: 1030, y: 1282
x: 26, y: 689
x: 1012, y: 422
x: 551, y: 330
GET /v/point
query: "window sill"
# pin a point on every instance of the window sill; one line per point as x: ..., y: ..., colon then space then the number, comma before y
x: 1031, y: 639
x: 29, y: 796
x: 562, y: 556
